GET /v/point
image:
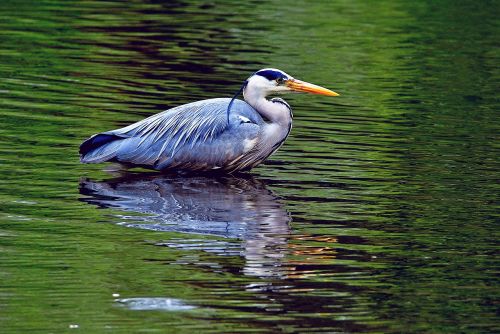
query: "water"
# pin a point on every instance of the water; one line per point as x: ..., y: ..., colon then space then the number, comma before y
x: 378, y: 215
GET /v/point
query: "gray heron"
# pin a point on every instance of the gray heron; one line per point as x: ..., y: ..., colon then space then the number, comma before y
x: 221, y: 134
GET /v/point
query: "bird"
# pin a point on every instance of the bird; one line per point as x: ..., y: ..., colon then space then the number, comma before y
x: 221, y: 134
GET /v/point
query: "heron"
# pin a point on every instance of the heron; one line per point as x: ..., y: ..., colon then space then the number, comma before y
x: 220, y: 134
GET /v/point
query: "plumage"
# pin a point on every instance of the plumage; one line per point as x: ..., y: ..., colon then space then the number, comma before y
x: 195, y: 136
x: 204, y: 135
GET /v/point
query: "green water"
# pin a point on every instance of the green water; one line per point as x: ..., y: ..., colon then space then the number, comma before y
x: 378, y: 215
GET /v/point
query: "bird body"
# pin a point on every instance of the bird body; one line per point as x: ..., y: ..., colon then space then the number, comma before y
x: 216, y: 134
x: 194, y: 137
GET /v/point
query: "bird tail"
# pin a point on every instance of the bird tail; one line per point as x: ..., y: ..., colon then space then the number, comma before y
x: 99, y: 148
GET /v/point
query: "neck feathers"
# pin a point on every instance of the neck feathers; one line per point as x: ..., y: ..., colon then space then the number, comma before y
x: 275, y: 110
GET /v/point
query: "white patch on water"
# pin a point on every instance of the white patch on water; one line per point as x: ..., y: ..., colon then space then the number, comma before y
x: 154, y: 304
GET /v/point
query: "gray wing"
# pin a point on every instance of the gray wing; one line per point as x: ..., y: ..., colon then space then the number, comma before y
x: 193, y: 136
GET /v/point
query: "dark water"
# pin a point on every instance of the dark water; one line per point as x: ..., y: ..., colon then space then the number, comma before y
x: 378, y: 215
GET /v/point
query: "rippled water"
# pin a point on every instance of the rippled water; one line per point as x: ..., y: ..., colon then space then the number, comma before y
x: 378, y: 215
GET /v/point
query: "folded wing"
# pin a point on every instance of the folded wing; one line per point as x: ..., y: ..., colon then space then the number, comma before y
x: 193, y: 136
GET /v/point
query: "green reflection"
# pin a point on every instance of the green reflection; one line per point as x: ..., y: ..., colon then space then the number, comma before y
x: 390, y: 189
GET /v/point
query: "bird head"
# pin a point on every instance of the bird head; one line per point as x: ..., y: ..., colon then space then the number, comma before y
x: 270, y: 80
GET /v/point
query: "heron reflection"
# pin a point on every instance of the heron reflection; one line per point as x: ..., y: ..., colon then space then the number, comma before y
x: 228, y: 207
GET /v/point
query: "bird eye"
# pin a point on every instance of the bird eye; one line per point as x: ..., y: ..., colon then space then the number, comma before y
x: 280, y: 80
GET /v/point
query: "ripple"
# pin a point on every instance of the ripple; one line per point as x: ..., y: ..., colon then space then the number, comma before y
x: 377, y: 215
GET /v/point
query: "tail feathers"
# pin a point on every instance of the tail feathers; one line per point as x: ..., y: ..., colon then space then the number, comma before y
x: 100, y: 147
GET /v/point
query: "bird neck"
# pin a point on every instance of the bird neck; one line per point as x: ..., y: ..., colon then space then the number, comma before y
x: 275, y: 112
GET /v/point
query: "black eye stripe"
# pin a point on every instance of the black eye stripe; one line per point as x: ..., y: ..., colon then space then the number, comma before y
x: 271, y: 75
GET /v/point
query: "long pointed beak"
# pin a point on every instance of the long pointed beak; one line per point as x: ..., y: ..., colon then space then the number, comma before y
x: 302, y: 86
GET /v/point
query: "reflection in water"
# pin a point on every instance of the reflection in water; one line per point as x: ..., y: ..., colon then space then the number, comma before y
x: 229, y: 207
x: 393, y: 202
x: 249, y: 222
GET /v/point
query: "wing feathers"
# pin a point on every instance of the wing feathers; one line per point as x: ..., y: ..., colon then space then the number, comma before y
x: 157, y: 139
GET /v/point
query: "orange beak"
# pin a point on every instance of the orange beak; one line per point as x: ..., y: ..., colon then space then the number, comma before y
x: 306, y: 87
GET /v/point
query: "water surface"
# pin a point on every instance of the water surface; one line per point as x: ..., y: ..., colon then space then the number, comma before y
x: 378, y: 215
